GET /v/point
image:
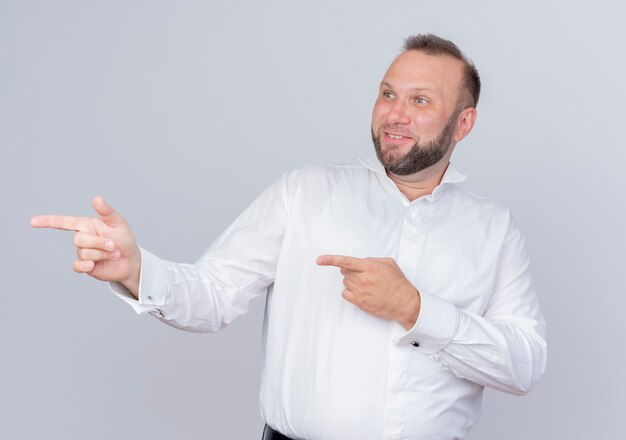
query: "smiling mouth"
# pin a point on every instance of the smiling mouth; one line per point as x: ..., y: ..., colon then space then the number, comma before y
x: 395, y: 133
x: 396, y: 137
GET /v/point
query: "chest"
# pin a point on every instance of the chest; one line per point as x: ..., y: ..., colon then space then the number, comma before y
x: 448, y: 252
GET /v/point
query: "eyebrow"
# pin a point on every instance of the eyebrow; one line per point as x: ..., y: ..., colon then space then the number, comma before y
x: 414, y: 89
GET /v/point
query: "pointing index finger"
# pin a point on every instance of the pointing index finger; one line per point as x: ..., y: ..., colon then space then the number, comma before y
x: 64, y: 222
x: 343, y: 261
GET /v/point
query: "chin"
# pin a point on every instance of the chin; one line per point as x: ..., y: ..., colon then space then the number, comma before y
x: 393, y: 153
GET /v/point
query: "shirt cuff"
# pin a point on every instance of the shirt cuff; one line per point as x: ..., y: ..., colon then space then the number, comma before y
x: 153, y: 284
x: 435, y: 325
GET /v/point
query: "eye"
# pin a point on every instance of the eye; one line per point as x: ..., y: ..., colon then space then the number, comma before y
x: 420, y: 101
x: 388, y: 95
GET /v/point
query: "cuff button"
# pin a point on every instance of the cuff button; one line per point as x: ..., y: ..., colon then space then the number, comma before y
x: 415, y: 343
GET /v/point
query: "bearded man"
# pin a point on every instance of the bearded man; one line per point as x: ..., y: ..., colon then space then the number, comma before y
x: 427, y: 299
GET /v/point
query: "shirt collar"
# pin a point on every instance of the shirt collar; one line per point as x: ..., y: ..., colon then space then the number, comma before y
x: 451, y: 175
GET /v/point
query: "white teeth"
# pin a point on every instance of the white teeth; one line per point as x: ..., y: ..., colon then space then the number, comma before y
x: 394, y: 136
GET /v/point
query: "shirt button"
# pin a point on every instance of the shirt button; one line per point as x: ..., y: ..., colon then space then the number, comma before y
x: 415, y: 343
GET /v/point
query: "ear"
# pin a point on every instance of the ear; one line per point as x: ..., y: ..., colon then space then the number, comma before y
x: 464, y: 123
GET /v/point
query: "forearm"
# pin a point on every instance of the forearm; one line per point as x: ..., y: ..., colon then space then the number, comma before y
x: 237, y: 267
x: 502, y: 351
x: 508, y: 354
x: 194, y: 297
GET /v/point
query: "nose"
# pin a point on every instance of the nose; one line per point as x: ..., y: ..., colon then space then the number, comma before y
x: 398, y: 113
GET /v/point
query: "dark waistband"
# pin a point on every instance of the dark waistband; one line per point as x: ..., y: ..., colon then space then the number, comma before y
x: 272, y: 434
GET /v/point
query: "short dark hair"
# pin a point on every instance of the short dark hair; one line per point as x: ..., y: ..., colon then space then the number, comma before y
x: 434, y: 45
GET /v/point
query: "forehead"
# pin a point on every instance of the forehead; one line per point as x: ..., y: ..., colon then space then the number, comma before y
x: 442, y: 74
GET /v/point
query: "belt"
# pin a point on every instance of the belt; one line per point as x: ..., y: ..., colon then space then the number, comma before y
x: 272, y: 434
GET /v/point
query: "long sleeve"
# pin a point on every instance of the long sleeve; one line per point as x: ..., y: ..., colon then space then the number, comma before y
x: 330, y: 368
x: 238, y: 267
x: 504, y: 348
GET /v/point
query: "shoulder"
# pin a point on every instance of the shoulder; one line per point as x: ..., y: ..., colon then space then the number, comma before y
x: 317, y: 181
x: 323, y: 170
x: 320, y: 175
x: 493, y: 217
x: 470, y: 200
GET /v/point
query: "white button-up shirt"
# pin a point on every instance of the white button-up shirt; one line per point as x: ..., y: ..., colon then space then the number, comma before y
x: 332, y: 371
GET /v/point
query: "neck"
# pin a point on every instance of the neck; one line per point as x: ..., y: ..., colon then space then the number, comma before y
x: 422, y: 183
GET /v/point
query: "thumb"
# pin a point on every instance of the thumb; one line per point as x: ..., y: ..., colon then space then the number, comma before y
x: 108, y: 215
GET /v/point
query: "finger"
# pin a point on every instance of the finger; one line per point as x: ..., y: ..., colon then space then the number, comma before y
x: 350, y: 263
x: 64, y: 222
x: 348, y: 272
x: 84, y: 240
x: 83, y: 266
x: 349, y: 296
x: 108, y: 215
x: 97, y: 255
x: 350, y: 285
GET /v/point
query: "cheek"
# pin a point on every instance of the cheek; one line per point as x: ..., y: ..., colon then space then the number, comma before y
x: 424, y: 120
x: 426, y: 124
x: 378, y: 114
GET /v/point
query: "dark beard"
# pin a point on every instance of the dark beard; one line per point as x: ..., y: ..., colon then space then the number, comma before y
x: 419, y: 156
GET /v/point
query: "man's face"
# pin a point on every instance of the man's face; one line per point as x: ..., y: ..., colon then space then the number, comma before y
x: 414, y: 118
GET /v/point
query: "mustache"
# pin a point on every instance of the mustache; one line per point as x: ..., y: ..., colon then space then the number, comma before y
x: 394, y: 129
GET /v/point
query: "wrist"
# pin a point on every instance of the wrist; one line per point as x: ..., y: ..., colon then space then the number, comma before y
x: 132, y: 282
x: 411, y: 310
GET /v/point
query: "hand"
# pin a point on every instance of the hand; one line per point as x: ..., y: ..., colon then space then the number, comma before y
x: 377, y: 286
x: 106, y: 246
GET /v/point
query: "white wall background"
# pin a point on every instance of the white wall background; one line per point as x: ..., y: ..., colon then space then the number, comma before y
x: 180, y: 113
